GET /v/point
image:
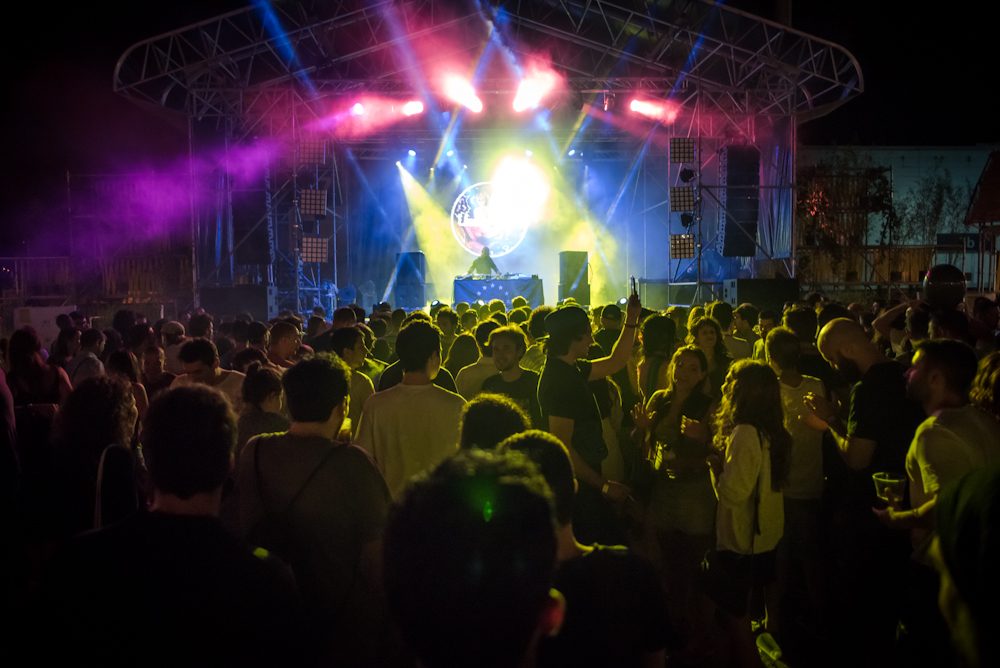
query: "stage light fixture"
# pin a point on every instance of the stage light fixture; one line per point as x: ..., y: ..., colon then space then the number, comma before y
x: 682, y: 199
x: 658, y: 110
x: 623, y: 302
x: 532, y: 89
x: 315, y: 249
x: 312, y: 152
x: 687, y: 175
x: 682, y: 246
x: 462, y: 92
x: 609, y: 102
x: 572, y: 152
x: 528, y: 153
x: 358, y: 109
x: 411, y: 153
x: 450, y: 153
x: 413, y: 107
x: 681, y: 150
x: 312, y: 203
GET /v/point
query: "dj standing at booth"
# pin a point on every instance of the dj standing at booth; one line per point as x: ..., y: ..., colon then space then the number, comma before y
x: 484, y: 264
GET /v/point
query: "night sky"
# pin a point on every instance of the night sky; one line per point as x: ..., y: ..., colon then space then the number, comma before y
x: 929, y: 80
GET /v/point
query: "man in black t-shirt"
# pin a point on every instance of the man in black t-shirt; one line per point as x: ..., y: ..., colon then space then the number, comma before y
x: 509, y: 345
x: 570, y: 411
x: 616, y: 613
x: 172, y: 586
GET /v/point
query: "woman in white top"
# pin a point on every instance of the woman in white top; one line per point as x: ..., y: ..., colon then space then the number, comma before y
x: 750, y: 434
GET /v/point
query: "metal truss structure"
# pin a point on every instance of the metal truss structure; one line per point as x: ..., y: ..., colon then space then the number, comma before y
x: 257, y: 72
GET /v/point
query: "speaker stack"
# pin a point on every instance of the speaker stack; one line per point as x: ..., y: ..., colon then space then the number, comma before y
x: 411, y: 270
x: 574, y: 277
x: 739, y: 178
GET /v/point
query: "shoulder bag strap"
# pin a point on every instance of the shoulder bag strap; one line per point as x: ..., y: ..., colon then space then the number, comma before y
x: 260, y: 489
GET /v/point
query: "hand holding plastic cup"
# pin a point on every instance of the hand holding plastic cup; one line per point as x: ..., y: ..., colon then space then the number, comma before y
x: 889, y: 487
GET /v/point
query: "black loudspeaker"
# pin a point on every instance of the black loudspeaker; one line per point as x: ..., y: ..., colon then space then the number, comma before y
x: 739, y: 176
x: 261, y: 301
x: 764, y: 293
x: 409, y: 296
x: 574, y: 277
x: 659, y: 293
x: 411, y: 268
x: 250, y: 227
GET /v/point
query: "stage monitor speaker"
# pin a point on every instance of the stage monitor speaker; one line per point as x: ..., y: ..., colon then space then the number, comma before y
x: 250, y: 227
x: 659, y: 293
x: 739, y: 175
x: 409, y: 296
x: 764, y: 293
x: 411, y: 268
x: 573, y: 268
x: 261, y: 301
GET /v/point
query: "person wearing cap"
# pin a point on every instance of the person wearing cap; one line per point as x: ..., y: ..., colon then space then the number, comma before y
x: 611, y: 328
x: 570, y: 411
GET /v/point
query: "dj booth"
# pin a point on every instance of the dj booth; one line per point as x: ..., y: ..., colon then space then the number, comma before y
x: 505, y: 287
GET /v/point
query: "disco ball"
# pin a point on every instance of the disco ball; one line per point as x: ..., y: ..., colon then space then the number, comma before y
x: 944, y: 286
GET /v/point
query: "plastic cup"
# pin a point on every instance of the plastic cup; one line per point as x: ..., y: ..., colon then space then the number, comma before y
x: 889, y: 487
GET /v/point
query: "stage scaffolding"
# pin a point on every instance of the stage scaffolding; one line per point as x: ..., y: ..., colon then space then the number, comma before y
x: 246, y: 80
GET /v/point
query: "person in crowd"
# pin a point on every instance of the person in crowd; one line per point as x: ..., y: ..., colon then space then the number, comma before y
x: 30, y: 379
x: 470, y: 553
x: 766, y: 321
x: 657, y: 338
x: 140, y: 336
x: 201, y: 325
x: 200, y: 365
x: 173, y: 334
x: 965, y: 554
x: 463, y: 352
x: 508, y: 345
x: 248, y: 356
x: 122, y: 365
x: 469, y: 380
x: 285, y: 341
x: 447, y: 322
x: 162, y: 587
x: 615, y: 606
x: 610, y: 328
x: 706, y: 333
x: 348, y: 343
x: 412, y: 426
x: 240, y: 333
x: 534, y: 356
x: 263, y: 405
x: 722, y: 313
x: 392, y: 375
x: 802, y: 322
x: 155, y: 378
x: 748, y: 479
x: 572, y: 415
x: 745, y: 318
x: 489, y: 419
x: 320, y: 505
x: 679, y: 314
x: 87, y: 361
x: 468, y: 320
x: 65, y: 347
x: 870, y: 559
x: 675, y: 434
x: 800, y: 553
x: 315, y: 326
x: 94, y: 461
x: 985, y: 324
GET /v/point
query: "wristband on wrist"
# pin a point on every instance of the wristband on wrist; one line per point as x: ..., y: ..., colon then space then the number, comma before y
x: 628, y: 326
x: 605, y: 488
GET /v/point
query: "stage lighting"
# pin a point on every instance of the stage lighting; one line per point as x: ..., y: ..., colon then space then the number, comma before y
x: 687, y: 175
x: 608, y: 102
x: 450, y: 152
x: 315, y: 249
x: 462, y: 92
x: 572, y: 152
x: 532, y: 89
x: 623, y: 302
x: 312, y: 203
x: 682, y: 246
x: 358, y: 109
x: 528, y: 153
x: 681, y: 150
x: 687, y: 219
x: 659, y: 110
x: 682, y: 199
x: 413, y: 107
x: 411, y: 153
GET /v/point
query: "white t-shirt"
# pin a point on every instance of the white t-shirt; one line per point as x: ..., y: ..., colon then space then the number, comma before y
x: 948, y: 445
x: 805, y: 476
x: 747, y: 462
x: 409, y: 429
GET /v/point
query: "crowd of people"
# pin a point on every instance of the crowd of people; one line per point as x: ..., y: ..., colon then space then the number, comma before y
x: 496, y: 485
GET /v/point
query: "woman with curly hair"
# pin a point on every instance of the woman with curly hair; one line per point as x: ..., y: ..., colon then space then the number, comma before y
x: 95, y: 463
x: 750, y: 434
x: 30, y: 379
x: 706, y: 333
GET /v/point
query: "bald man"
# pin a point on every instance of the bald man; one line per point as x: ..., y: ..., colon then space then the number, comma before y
x: 881, y: 420
x: 869, y: 561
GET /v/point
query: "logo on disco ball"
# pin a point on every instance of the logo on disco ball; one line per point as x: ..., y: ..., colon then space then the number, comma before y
x: 479, y: 219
